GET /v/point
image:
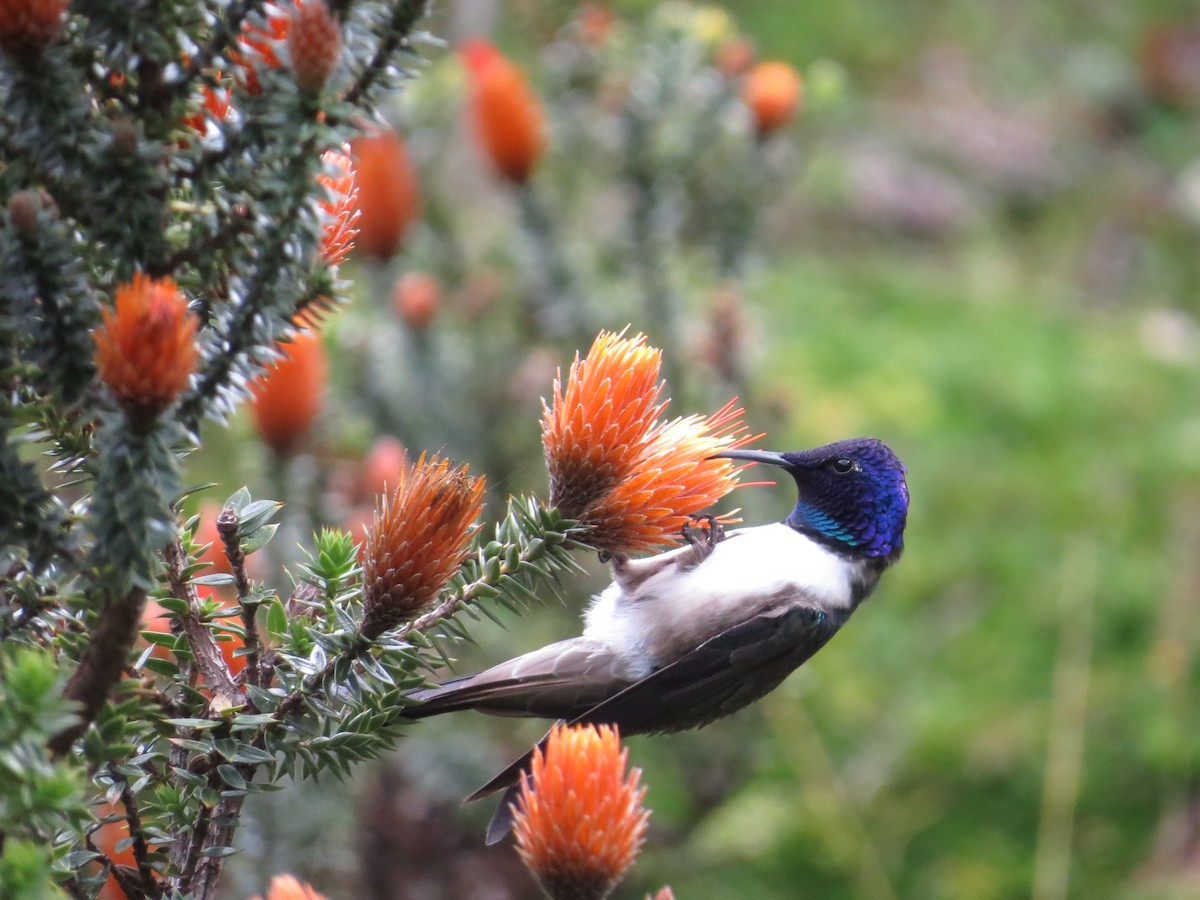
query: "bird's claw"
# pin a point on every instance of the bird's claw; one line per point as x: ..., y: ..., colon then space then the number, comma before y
x: 703, y: 532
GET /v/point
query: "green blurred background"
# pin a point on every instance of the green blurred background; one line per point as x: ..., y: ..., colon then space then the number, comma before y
x: 982, y: 245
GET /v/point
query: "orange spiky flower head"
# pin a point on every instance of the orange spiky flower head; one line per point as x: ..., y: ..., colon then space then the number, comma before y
x: 339, y: 207
x: 314, y: 42
x: 507, y: 115
x: 418, y: 539
x: 146, y: 347
x: 615, y: 467
x: 579, y: 819
x: 289, y: 887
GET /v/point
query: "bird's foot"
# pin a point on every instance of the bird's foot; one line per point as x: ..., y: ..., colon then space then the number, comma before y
x: 703, y: 533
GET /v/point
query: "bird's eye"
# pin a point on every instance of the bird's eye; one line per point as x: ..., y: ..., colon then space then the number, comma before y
x: 844, y: 466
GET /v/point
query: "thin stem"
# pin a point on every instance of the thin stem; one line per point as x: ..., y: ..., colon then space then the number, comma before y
x: 404, y: 16
x: 1068, y: 720
x: 227, y: 528
x: 209, y: 661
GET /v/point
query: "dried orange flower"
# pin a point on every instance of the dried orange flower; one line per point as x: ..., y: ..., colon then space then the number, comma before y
x: 773, y: 91
x: 615, y: 467
x: 28, y: 26
x: 579, y: 820
x: 289, y: 887
x: 339, y: 208
x: 146, y: 348
x: 389, y: 195
x: 314, y: 41
x: 419, y: 537
x: 507, y: 115
x: 288, y: 397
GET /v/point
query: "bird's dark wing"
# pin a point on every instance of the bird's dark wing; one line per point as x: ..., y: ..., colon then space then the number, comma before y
x: 558, y: 681
x: 717, y: 678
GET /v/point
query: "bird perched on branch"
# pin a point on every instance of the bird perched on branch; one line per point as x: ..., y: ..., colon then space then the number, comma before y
x: 696, y: 633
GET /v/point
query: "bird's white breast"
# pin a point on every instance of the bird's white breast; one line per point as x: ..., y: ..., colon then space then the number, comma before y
x: 750, y: 571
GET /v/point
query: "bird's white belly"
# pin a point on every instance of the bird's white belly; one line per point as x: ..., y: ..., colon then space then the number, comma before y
x: 752, y: 570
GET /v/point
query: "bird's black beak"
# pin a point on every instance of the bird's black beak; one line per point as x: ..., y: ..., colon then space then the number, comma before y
x: 767, y: 457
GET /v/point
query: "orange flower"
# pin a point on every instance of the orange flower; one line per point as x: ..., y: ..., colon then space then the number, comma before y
x: 215, y: 106
x: 287, y: 399
x: 419, y: 537
x: 416, y: 298
x: 389, y: 196
x: 314, y: 41
x: 339, y: 206
x: 289, y: 887
x: 507, y: 115
x: 146, y: 349
x: 28, y: 26
x: 579, y: 820
x: 258, y: 47
x: 615, y: 467
x: 773, y: 92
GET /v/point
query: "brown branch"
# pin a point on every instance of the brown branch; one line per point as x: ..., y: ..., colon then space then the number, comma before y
x: 207, y: 654
x: 227, y: 528
x: 102, y: 663
x: 140, y: 850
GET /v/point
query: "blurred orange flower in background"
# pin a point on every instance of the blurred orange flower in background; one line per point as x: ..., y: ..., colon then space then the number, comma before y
x: 774, y: 92
x: 419, y: 537
x: 579, y: 821
x: 506, y: 114
x: 146, y: 347
x: 416, y: 299
x: 388, y: 192
x: 634, y: 480
x: 288, y: 397
x: 28, y: 26
x: 289, y: 887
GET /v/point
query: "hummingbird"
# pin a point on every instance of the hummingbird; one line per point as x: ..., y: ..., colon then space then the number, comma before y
x: 698, y: 632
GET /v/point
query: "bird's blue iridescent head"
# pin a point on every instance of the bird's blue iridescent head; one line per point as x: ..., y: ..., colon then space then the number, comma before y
x: 853, y: 496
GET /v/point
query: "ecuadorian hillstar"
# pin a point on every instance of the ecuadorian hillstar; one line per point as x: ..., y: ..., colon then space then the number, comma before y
x: 696, y: 633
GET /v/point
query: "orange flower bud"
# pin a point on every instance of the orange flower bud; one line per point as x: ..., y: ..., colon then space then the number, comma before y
x: 288, y: 397
x: 338, y: 207
x: 507, y: 115
x: 146, y: 348
x: 389, y: 196
x: 416, y: 298
x: 579, y: 820
x: 774, y: 92
x: 419, y: 537
x: 28, y: 26
x: 314, y: 43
